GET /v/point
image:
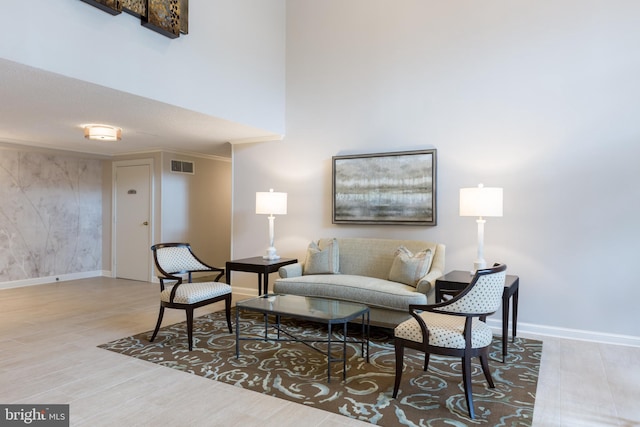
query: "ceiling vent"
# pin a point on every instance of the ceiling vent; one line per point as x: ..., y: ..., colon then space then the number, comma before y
x: 180, y: 166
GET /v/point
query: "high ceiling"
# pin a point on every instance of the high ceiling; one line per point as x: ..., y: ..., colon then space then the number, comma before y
x: 43, y: 109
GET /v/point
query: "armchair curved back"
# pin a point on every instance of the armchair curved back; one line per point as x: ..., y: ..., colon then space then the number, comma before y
x: 482, y: 296
x: 177, y: 258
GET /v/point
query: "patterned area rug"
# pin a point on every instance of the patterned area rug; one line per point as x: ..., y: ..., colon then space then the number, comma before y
x: 297, y: 373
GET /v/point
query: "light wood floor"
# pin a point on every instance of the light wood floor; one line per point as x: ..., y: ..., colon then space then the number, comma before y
x: 48, y: 354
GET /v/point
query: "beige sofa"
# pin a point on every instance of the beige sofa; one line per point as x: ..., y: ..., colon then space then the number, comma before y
x: 362, y: 271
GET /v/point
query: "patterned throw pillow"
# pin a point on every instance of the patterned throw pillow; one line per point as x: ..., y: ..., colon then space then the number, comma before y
x: 409, y: 268
x: 322, y: 261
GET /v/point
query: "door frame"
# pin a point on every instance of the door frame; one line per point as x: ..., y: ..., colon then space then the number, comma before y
x: 114, y: 167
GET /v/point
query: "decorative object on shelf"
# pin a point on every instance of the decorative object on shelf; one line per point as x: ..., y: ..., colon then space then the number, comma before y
x: 113, y: 7
x: 137, y: 8
x: 167, y: 17
x: 102, y: 132
x: 163, y: 16
x: 271, y: 203
x: 385, y: 188
x: 481, y: 202
x: 184, y: 16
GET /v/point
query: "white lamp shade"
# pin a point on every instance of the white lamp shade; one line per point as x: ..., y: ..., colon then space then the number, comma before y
x: 271, y: 203
x: 481, y: 201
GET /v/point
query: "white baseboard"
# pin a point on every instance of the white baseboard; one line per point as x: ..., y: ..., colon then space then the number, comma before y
x: 541, y: 331
x: 240, y: 293
x: 52, y: 279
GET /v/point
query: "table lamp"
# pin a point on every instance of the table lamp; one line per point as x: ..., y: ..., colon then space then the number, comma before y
x: 271, y: 203
x: 481, y: 202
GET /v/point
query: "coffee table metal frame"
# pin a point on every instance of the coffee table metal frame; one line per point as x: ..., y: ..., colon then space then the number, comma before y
x: 268, y: 304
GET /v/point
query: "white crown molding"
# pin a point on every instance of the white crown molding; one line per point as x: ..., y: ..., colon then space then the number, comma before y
x: 15, y: 145
x: 174, y: 152
x: 266, y: 138
x: 43, y: 148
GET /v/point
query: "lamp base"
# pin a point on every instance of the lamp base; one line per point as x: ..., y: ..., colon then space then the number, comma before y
x: 479, y: 264
x: 271, y: 254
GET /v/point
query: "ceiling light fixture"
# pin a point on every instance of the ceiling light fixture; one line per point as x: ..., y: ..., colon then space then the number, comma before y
x: 102, y: 132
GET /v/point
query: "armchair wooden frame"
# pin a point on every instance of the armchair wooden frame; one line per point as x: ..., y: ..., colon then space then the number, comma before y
x: 172, y: 272
x: 465, y: 353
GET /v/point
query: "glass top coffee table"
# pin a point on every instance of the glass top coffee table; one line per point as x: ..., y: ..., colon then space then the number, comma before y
x: 322, y: 310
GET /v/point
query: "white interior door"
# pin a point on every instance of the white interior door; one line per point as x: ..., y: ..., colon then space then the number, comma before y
x: 132, y: 222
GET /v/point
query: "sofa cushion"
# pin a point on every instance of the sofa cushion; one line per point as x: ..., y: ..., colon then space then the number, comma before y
x: 322, y: 261
x: 374, y: 257
x: 409, y: 268
x: 370, y: 291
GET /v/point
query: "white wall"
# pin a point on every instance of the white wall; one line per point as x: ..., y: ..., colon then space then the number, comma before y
x: 197, y: 208
x: 230, y: 65
x: 540, y: 98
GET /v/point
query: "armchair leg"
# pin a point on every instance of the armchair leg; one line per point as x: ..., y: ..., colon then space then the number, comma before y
x: 484, y: 361
x: 466, y: 378
x: 399, y: 349
x: 227, y: 308
x: 426, y: 361
x: 190, y: 327
x: 158, y: 323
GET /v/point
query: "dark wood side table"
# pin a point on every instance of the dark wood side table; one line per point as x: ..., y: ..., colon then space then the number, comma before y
x: 258, y: 265
x: 455, y: 281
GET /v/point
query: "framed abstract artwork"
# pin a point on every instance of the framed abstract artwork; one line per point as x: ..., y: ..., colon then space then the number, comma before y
x: 385, y: 188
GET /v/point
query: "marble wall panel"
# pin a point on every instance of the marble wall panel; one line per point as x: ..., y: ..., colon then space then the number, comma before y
x: 50, y: 215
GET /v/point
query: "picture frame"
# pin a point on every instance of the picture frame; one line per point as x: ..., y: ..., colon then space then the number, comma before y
x: 385, y: 188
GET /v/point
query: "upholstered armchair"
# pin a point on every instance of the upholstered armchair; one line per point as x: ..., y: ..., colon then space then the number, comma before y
x: 175, y: 260
x: 455, y: 328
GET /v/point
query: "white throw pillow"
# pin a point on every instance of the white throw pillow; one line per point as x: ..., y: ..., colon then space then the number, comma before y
x: 324, y: 261
x: 409, y: 268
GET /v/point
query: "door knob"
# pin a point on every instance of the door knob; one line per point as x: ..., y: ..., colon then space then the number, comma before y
x: 145, y: 223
